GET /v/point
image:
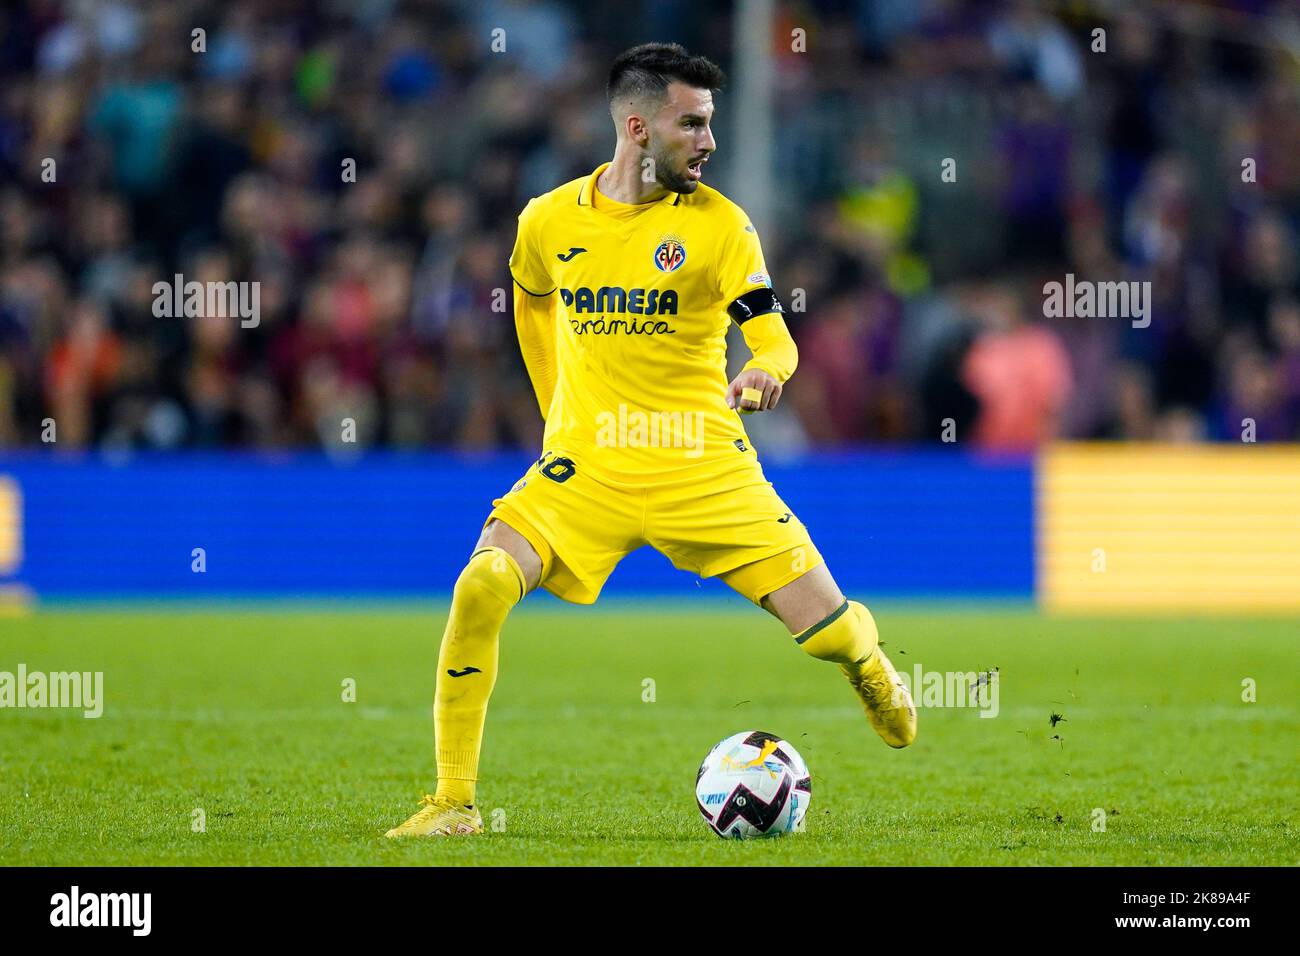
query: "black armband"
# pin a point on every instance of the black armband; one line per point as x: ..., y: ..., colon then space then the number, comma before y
x: 752, y: 303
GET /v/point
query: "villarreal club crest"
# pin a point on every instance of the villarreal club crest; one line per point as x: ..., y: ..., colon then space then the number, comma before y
x: 670, y: 255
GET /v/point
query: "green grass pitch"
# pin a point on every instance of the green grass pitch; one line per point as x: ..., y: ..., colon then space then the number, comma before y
x: 239, y: 712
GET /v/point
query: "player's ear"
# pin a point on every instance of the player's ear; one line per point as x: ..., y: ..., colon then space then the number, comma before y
x: 637, y: 129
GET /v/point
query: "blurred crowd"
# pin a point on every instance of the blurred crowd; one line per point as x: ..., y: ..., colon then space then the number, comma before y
x: 938, y: 162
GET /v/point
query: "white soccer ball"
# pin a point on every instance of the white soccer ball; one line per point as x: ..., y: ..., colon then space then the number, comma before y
x: 753, y: 784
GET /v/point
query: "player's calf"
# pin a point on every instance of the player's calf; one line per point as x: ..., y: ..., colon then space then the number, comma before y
x: 490, y: 585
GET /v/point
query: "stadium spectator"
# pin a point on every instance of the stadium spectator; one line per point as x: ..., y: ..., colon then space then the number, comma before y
x: 366, y: 167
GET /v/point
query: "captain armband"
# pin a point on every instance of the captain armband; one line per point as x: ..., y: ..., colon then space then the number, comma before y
x: 752, y: 303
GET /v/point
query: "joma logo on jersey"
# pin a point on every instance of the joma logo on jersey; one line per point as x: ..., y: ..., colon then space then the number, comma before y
x: 609, y: 299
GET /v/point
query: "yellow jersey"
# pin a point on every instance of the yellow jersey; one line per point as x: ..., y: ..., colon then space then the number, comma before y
x: 623, y: 311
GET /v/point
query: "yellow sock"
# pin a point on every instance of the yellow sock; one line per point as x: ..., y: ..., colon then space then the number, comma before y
x: 847, y: 636
x: 491, y: 584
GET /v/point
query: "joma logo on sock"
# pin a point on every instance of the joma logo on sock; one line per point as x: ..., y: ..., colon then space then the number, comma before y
x: 226, y: 300
x: 33, y: 689
x: 1098, y: 300
x: 952, y: 689
x: 103, y: 909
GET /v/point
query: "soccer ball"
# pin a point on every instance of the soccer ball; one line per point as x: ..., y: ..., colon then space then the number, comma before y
x: 753, y: 784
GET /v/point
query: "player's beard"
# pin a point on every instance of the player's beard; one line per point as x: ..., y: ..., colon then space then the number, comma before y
x: 669, y: 178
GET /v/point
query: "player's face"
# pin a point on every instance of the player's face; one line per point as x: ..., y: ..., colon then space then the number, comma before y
x: 680, y: 138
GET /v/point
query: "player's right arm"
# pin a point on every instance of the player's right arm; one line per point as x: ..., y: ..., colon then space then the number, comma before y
x: 534, y: 308
x: 535, y: 324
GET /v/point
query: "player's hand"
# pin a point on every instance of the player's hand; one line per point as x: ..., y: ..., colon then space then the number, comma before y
x: 758, y: 380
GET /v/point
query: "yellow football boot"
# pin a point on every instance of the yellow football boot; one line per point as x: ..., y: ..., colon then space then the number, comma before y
x: 440, y: 818
x: 885, y: 698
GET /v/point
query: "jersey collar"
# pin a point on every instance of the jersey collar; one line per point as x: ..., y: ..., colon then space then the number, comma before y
x: 584, y: 194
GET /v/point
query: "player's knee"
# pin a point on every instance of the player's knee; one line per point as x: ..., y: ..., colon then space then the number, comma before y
x: 531, y: 563
x: 491, y: 579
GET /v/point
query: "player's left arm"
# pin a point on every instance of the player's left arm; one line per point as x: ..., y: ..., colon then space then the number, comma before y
x: 754, y: 307
x: 774, y: 359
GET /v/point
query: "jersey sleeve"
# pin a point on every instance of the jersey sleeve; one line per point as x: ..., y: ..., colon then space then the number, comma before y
x: 741, y: 267
x: 527, y: 267
x: 535, y: 325
x: 747, y: 294
x: 773, y: 349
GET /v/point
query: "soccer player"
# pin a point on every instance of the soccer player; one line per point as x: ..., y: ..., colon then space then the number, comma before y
x: 626, y: 281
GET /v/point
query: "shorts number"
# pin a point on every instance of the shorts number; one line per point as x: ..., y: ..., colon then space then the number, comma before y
x: 559, y: 469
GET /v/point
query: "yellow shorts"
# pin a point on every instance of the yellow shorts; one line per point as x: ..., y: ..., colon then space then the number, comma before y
x: 732, y: 525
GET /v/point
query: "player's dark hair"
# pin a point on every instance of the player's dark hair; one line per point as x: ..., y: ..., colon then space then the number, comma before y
x: 646, y: 70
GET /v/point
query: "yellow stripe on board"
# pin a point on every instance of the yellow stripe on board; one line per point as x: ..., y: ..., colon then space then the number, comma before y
x: 1169, y: 528
x: 11, y: 526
